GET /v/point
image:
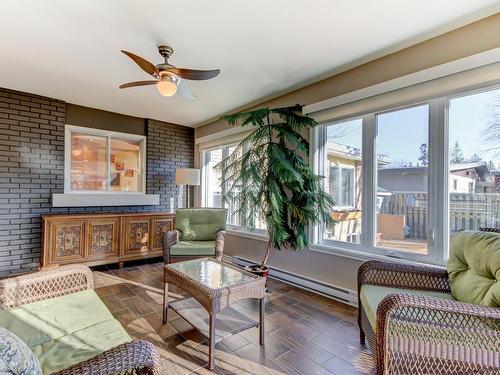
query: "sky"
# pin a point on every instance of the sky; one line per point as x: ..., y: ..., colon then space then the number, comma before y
x: 400, y: 133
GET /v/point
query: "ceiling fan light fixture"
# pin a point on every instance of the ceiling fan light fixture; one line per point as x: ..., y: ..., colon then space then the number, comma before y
x: 167, y: 86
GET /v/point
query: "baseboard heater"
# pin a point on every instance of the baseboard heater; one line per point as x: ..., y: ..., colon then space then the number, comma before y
x: 328, y: 290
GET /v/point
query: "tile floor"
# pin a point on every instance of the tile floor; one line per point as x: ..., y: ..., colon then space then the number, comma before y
x: 305, y: 333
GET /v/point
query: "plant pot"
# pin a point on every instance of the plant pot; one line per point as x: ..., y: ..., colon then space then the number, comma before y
x: 256, y: 269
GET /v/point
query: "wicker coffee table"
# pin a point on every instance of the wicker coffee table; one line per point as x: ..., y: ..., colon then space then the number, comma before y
x: 213, y: 287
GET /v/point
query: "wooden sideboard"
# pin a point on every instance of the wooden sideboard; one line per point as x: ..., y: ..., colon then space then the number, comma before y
x: 96, y: 239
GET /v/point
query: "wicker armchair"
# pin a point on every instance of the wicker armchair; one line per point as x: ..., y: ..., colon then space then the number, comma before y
x: 419, y: 334
x: 136, y: 356
x: 199, y: 232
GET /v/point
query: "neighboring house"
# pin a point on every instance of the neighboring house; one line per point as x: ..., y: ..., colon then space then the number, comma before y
x: 464, y: 178
x: 496, y: 181
x: 343, y: 179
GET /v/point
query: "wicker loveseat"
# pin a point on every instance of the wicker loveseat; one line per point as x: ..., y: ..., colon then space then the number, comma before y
x: 58, y: 315
x: 413, y: 323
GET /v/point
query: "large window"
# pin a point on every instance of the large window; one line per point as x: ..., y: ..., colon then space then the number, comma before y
x: 405, y: 179
x: 102, y: 161
x: 213, y: 189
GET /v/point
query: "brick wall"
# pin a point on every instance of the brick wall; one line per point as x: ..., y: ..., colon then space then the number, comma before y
x: 32, y: 169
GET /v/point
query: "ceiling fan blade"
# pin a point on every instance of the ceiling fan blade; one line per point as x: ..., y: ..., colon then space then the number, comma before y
x: 184, y: 90
x: 138, y: 83
x: 144, y: 64
x: 194, y: 74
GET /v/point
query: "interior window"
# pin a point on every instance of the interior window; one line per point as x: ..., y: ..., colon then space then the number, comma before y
x: 103, y: 162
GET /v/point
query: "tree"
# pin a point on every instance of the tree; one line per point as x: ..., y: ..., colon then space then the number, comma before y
x: 474, y: 158
x: 492, y: 166
x: 456, y: 154
x: 424, y: 155
x: 269, y: 177
x: 491, y: 134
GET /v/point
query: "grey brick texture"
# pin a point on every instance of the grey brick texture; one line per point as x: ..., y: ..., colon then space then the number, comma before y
x: 32, y: 169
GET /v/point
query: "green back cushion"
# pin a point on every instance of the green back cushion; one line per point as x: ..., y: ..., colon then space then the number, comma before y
x: 15, y: 356
x: 200, y: 224
x: 474, y: 267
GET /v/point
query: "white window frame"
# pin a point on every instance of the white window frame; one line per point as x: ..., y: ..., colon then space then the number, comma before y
x: 438, y: 180
x: 69, y: 129
x: 367, y: 248
x: 259, y: 234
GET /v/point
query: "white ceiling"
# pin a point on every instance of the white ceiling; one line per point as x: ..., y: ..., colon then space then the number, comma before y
x: 70, y: 50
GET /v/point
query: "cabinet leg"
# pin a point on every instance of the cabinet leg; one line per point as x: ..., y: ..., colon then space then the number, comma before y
x: 120, y: 264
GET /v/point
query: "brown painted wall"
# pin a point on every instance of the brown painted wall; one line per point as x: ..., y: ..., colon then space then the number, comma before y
x: 97, y: 118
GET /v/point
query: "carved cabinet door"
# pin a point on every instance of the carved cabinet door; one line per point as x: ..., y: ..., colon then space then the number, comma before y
x: 67, y: 242
x: 160, y: 226
x: 137, y: 238
x: 103, y: 238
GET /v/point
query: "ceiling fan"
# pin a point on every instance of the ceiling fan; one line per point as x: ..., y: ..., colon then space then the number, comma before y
x: 168, y: 78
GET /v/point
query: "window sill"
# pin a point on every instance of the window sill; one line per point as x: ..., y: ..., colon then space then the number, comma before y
x: 101, y: 199
x: 366, y: 256
x: 247, y: 234
x: 339, y: 251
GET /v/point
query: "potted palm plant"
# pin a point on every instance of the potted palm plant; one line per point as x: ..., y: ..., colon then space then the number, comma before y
x: 269, y: 179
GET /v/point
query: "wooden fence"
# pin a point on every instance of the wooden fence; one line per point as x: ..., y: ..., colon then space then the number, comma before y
x: 467, y: 211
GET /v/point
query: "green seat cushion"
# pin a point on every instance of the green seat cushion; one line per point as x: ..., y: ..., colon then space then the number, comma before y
x: 193, y: 248
x: 42, y: 321
x: 200, y: 224
x: 372, y: 295
x: 474, y: 267
x: 86, y: 343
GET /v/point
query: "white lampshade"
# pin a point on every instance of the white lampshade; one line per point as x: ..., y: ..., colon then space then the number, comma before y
x: 187, y: 176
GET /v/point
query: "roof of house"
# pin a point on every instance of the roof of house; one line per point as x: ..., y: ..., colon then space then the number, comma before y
x: 350, y: 152
x: 481, y: 166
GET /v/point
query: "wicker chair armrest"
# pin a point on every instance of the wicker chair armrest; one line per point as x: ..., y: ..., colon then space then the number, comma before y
x: 434, y: 334
x: 398, y: 275
x: 219, y: 244
x: 139, y: 355
x: 170, y: 238
x: 49, y: 283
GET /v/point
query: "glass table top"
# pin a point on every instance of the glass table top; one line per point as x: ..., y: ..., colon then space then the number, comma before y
x: 211, y: 274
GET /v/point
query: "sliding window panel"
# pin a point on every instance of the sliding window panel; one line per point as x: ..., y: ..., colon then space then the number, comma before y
x: 402, y: 189
x: 88, y: 162
x: 341, y: 166
x: 474, y: 161
x: 213, y: 173
x: 125, y: 166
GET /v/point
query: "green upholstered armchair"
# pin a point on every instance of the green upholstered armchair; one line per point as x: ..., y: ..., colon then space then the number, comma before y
x: 429, y: 320
x: 199, y: 232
